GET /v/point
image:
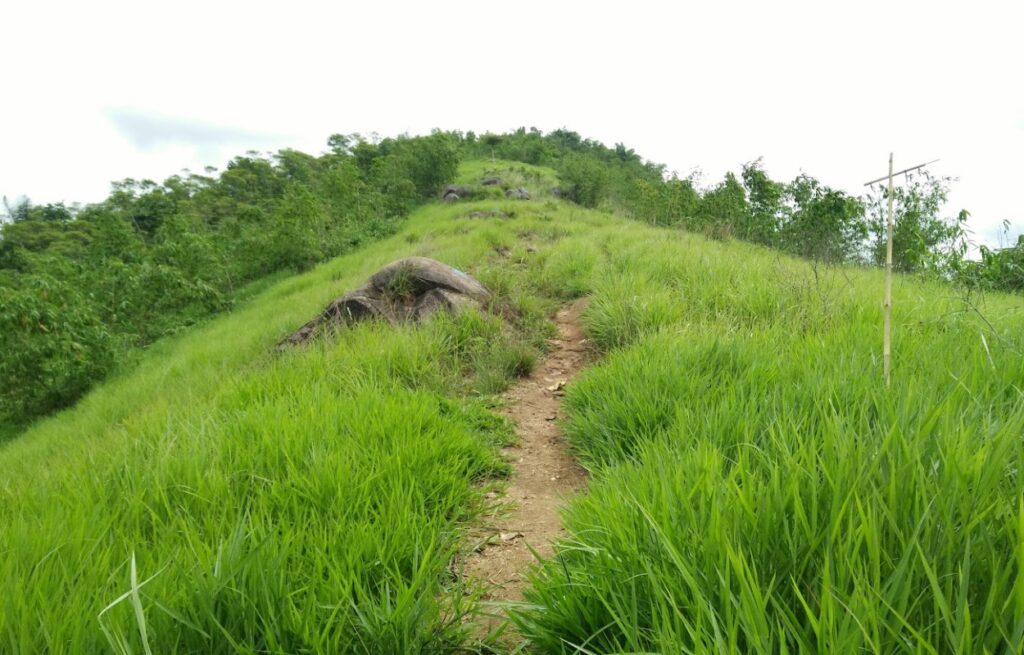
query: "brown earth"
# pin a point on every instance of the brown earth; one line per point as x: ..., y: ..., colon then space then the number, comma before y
x: 544, y: 473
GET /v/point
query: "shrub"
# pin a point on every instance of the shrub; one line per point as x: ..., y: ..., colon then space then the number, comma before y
x: 584, y: 178
x: 54, y: 347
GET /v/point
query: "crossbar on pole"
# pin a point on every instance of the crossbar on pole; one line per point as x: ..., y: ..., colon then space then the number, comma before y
x: 905, y: 170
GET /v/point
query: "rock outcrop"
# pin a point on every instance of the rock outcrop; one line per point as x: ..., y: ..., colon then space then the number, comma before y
x: 407, y: 289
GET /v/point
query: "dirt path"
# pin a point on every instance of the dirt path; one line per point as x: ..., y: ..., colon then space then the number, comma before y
x: 544, y: 473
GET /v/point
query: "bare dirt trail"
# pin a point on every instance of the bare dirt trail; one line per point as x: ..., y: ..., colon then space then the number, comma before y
x: 544, y: 473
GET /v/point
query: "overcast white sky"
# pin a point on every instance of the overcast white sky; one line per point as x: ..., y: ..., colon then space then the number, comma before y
x: 98, y: 91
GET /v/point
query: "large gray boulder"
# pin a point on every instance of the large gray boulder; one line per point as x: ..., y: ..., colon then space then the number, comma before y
x: 454, y: 193
x: 407, y: 289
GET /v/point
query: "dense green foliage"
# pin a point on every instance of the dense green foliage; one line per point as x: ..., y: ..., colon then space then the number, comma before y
x: 919, y: 241
x: 80, y: 287
x: 998, y: 269
x: 55, y: 344
x: 590, y: 172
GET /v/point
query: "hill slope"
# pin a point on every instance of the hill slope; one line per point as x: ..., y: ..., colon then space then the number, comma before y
x: 755, y: 488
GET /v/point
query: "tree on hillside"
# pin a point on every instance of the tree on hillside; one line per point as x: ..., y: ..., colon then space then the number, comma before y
x: 820, y: 223
x: 584, y: 178
x: 672, y: 202
x: 492, y: 141
x: 296, y: 232
x: 922, y: 238
x: 724, y: 207
x: 765, y: 197
x: 430, y: 162
x: 143, y: 203
x: 36, y: 229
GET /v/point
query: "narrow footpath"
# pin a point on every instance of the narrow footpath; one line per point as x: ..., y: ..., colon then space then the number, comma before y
x: 544, y: 473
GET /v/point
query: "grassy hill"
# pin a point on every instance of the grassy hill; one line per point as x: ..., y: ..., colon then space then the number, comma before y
x: 755, y: 487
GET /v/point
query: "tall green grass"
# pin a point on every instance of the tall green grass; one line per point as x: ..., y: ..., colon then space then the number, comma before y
x: 758, y: 490
x: 312, y: 507
x: 755, y: 489
x: 227, y: 498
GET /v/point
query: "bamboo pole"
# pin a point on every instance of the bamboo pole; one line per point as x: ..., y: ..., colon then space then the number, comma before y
x: 887, y: 327
x: 887, y: 303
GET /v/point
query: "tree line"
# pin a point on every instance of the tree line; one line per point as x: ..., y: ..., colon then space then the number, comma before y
x: 803, y: 217
x: 82, y: 287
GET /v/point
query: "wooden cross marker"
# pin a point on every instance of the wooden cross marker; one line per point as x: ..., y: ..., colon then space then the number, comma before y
x: 887, y: 303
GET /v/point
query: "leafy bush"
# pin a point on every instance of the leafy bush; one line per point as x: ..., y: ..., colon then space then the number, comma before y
x: 584, y: 178
x: 54, y: 344
x: 1001, y: 269
x: 147, y: 300
x: 820, y: 223
x: 1004, y: 269
x: 430, y: 162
